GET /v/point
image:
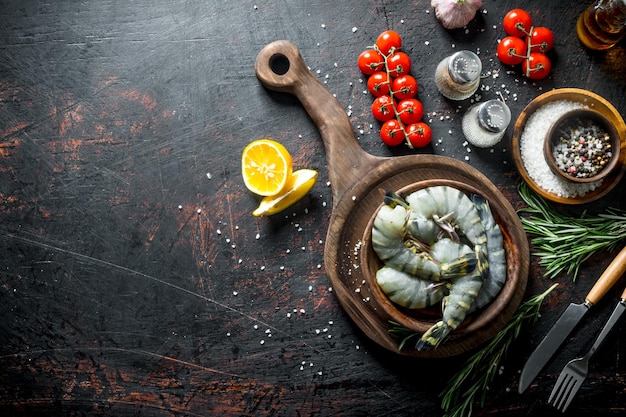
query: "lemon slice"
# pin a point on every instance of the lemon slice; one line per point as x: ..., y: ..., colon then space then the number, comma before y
x: 266, y: 167
x: 298, y: 185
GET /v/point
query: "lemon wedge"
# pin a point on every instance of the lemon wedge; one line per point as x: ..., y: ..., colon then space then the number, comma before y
x: 298, y: 185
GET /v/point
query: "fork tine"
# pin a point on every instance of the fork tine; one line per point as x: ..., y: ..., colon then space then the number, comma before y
x: 566, y: 387
x: 561, y: 389
x: 571, y: 394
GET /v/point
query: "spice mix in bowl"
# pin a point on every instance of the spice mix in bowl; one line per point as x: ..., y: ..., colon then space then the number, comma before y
x: 582, y: 146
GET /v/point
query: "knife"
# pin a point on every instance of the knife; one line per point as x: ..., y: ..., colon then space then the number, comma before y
x: 569, y: 319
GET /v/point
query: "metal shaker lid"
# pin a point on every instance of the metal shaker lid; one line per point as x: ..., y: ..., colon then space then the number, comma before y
x: 464, y: 67
x: 494, y: 115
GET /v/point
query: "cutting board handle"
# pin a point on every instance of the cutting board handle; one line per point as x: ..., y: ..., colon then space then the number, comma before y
x: 280, y: 67
x: 609, y: 277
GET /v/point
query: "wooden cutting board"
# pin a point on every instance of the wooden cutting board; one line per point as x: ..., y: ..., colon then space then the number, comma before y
x: 357, y: 179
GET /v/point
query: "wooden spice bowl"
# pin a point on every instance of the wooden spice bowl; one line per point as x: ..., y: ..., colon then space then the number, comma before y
x: 562, y: 135
x: 590, y: 100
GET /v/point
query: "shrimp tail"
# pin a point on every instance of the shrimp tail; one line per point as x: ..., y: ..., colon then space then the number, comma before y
x: 433, y: 337
x: 463, y: 265
x: 392, y: 199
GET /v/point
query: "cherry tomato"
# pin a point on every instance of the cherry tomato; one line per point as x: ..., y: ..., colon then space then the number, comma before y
x: 517, y: 22
x: 410, y: 111
x: 370, y: 61
x: 398, y: 64
x: 511, y: 50
x: 537, y: 66
x: 541, y: 40
x: 419, y: 134
x: 387, y: 41
x: 391, y: 132
x: 382, y: 108
x: 404, y: 86
x: 378, y: 83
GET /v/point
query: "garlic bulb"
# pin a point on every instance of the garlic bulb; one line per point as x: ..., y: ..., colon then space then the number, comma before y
x: 455, y: 14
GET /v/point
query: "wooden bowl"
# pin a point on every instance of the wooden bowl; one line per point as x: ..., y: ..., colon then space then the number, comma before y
x: 573, y: 119
x: 590, y: 100
x: 420, y: 320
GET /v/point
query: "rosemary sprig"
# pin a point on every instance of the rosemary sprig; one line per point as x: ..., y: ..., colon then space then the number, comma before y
x: 470, y: 385
x: 564, y: 242
x: 401, y: 331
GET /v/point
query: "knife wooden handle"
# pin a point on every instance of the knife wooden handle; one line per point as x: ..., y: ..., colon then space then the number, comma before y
x: 609, y: 277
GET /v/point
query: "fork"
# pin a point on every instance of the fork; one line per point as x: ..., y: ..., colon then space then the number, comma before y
x: 575, y: 372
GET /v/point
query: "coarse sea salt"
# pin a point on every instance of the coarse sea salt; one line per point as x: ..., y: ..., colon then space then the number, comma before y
x: 531, y: 150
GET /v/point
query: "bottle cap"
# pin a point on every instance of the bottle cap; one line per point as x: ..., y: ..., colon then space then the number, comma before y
x: 494, y: 115
x: 464, y: 67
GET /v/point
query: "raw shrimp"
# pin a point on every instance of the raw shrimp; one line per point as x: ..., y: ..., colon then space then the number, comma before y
x: 425, y: 230
x: 495, y: 255
x: 409, y: 291
x: 463, y: 292
x: 452, y: 210
x: 390, y: 243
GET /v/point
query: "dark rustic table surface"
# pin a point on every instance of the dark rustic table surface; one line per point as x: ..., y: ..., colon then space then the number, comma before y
x: 133, y: 278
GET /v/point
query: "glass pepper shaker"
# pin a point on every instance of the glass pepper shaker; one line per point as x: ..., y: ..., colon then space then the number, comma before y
x: 458, y: 75
x: 484, y: 124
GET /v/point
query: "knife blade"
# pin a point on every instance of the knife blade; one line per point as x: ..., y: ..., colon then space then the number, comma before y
x: 568, y: 321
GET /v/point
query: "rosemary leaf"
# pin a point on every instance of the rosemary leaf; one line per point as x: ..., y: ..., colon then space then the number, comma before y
x: 565, y: 242
x: 470, y: 385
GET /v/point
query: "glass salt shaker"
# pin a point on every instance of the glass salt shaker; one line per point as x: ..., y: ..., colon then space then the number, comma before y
x: 484, y: 124
x: 458, y: 75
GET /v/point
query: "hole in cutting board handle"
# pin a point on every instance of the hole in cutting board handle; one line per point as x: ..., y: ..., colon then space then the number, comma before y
x: 279, y: 64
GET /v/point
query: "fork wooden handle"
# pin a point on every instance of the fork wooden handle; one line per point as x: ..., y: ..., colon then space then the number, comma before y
x: 609, y: 277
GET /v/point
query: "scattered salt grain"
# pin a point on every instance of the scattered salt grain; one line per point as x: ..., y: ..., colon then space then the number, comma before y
x: 531, y: 150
